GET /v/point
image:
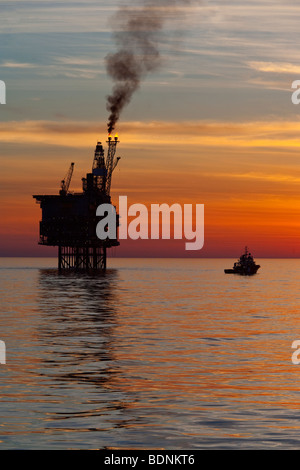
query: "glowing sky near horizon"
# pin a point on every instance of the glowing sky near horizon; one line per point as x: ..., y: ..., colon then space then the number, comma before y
x: 214, y: 125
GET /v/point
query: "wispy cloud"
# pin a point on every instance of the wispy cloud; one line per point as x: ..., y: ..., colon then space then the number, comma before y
x: 43, y: 16
x: 275, y: 67
x: 18, y: 65
x: 256, y: 176
x: 61, y: 66
x: 77, y: 60
x: 264, y: 134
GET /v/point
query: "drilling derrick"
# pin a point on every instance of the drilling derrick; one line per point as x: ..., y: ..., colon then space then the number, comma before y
x: 69, y: 219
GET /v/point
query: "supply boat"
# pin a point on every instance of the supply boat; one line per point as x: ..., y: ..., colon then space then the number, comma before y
x: 245, y: 265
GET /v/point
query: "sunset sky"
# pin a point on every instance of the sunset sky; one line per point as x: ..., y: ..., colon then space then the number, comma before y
x: 214, y: 125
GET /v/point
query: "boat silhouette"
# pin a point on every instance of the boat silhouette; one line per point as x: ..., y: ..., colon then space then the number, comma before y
x: 244, y: 266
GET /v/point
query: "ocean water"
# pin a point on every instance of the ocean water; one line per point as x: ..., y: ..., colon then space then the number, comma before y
x: 153, y: 354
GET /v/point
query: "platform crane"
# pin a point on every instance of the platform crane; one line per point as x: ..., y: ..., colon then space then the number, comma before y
x: 65, y: 183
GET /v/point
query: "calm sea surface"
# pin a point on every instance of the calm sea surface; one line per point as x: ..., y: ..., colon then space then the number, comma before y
x: 155, y: 354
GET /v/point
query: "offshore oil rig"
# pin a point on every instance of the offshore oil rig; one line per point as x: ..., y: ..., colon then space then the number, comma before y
x: 69, y: 219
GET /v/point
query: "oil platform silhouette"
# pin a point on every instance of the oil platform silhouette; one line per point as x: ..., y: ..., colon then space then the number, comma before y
x: 69, y: 219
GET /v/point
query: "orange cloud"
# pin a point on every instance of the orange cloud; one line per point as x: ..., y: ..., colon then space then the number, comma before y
x: 202, y: 133
x: 274, y: 67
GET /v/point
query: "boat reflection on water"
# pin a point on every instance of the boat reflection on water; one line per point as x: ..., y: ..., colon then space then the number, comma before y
x: 245, y: 265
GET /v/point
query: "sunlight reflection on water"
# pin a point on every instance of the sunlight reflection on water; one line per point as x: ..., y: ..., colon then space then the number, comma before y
x: 152, y: 354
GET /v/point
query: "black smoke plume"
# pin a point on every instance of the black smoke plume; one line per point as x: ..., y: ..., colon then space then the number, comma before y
x: 138, y: 36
